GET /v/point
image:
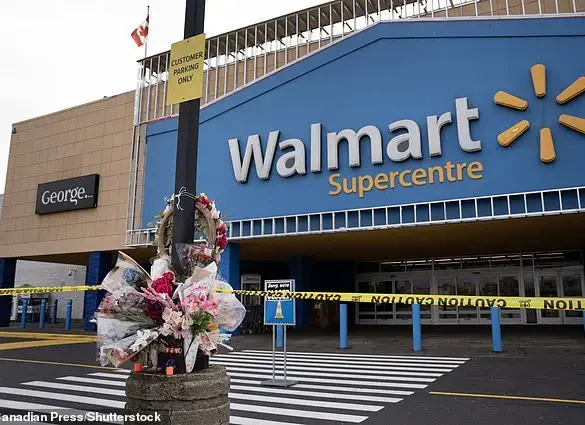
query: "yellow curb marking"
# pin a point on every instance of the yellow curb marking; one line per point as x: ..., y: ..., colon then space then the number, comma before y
x: 41, y: 343
x: 39, y: 335
x: 57, y: 363
x: 509, y: 397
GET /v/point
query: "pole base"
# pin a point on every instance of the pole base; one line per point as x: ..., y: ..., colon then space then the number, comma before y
x: 279, y: 383
x: 347, y: 347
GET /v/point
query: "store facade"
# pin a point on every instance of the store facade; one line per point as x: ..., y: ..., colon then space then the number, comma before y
x: 430, y: 156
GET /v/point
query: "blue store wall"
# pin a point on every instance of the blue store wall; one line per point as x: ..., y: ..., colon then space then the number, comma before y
x: 386, y: 73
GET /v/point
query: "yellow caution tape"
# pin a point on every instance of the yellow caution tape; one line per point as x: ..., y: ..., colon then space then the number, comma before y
x: 43, y: 290
x: 538, y: 303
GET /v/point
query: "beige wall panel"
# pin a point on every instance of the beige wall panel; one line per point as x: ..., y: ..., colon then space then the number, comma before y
x: 92, y: 138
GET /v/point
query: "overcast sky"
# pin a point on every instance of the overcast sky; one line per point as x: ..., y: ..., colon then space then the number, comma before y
x: 60, y: 53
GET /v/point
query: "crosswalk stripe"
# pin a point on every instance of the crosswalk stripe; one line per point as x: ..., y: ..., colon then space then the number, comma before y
x: 80, y: 388
x: 298, y: 357
x: 237, y: 420
x: 334, y: 381
x: 123, y: 371
x: 302, y: 402
x: 109, y: 375
x: 336, y: 388
x: 331, y: 375
x: 36, y: 407
x: 298, y: 413
x: 316, y: 394
x: 64, y: 397
x: 366, y: 356
x: 93, y: 381
x: 343, y: 365
x: 329, y: 369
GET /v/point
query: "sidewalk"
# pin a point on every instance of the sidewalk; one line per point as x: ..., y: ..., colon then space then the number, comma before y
x: 466, y: 341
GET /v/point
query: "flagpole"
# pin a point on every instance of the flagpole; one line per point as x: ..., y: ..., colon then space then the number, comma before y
x: 146, y: 39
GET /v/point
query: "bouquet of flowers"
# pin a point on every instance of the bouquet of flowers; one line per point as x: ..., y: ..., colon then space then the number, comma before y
x: 145, y: 314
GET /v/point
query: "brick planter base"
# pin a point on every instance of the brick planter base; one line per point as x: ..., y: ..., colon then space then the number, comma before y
x: 199, y: 398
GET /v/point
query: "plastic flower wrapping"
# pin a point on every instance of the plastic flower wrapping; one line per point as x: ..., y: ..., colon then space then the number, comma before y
x: 144, y: 314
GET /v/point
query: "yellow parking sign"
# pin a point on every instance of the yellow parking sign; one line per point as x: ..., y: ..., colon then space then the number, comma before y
x: 185, y: 81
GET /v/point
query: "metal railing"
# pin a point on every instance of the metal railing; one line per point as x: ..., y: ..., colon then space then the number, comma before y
x: 240, y: 57
x: 495, y: 207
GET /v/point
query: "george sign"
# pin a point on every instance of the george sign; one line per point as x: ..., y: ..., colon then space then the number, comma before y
x: 279, y: 310
x: 185, y: 81
x: 66, y: 195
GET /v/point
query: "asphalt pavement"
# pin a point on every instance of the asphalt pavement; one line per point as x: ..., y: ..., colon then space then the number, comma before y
x: 456, y: 379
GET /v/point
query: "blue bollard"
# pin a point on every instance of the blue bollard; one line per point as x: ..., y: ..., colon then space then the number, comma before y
x: 342, y: 325
x: 24, y: 313
x: 54, y: 312
x: 496, y: 331
x: 43, y: 312
x: 68, y: 315
x: 279, y: 336
x: 416, y: 329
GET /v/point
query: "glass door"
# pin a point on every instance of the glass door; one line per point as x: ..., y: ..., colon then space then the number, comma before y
x: 446, y: 285
x: 385, y: 312
x: 466, y: 286
x: 509, y: 286
x: 403, y: 311
x: 572, y: 286
x: 366, y: 312
x: 548, y: 286
x: 488, y: 287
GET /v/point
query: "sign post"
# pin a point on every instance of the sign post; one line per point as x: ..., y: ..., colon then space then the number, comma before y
x: 279, y: 311
x: 185, y: 87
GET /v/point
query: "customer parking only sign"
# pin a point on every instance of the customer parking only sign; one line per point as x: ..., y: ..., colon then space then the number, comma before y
x: 279, y: 310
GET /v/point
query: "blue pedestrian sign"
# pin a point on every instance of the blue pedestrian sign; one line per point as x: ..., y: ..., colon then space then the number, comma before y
x: 279, y: 310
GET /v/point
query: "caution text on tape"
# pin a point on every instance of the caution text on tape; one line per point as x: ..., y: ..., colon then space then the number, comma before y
x: 539, y: 303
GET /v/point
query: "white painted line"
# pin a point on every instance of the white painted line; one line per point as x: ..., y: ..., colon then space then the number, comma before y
x: 336, y: 388
x: 370, y: 356
x: 301, y: 402
x: 325, y: 369
x: 265, y: 358
x: 315, y: 394
x: 63, y: 397
x: 298, y: 413
x: 124, y: 371
x: 342, y: 365
x: 335, y: 381
x: 93, y: 381
x: 237, y: 420
x: 80, y: 388
x: 42, y: 408
x: 334, y: 375
x: 109, y: 375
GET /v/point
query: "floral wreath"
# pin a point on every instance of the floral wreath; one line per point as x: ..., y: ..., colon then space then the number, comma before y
x: 207, y: 221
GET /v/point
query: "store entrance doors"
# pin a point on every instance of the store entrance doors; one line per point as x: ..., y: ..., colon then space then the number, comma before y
x: 560, y: 283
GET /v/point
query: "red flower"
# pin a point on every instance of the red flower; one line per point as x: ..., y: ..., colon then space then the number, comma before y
x: 222, y: 241
x: 204, y: 201
x: 222, y: 230
x: 164, y: 284
x: 154, y: 310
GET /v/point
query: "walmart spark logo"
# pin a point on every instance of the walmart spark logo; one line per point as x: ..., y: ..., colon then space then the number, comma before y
x: 547, y: 147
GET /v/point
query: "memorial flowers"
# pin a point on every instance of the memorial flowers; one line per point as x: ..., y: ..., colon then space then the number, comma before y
x: 170, y: 316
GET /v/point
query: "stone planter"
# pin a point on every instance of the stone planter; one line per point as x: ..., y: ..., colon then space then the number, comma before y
x: 199, y: 398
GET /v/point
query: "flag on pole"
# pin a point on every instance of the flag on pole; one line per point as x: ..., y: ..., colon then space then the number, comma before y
x: 140, y: 34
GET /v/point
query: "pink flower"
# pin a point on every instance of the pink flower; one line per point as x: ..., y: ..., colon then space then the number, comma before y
x: 203, y: 200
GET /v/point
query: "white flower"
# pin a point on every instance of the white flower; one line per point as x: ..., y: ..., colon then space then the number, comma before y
x: 214, y: 214
x: 143, y: 339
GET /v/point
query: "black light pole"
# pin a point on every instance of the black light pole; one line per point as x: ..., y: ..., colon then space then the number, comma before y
x: 187, y: 143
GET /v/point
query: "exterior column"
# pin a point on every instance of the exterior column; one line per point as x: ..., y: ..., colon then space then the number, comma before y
x: 98, y: 266
x: 7, y: 273
x: 299, y: 269
x: 229, y: 268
